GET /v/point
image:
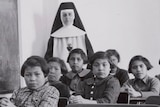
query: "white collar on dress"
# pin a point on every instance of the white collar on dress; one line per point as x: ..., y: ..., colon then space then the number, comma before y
x: 68, y: 31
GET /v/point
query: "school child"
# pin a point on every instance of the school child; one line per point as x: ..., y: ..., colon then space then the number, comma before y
x: 36, y: 93
x: 102, y: 88
x: 76, y: 59
x: 120, y: 74
x: 142, y: 85
x: 57, y: 68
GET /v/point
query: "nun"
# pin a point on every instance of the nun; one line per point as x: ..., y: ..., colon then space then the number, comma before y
x: 67, y: 34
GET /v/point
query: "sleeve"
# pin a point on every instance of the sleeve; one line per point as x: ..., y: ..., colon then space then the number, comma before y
x: 124, y: 77
x: 64, y: 79
x: 50, y: 98
x: 89, y: 48
x: 64, y: 91
x: 111, y: 92
x: 154, y: 89
x: 13, y: 97
x: 49, y: 52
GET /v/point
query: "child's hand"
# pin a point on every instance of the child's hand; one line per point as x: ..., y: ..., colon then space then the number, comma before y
x: 132, y: 92
x: 76, y: 99
x: 5, y: 102
x: 125, y: 87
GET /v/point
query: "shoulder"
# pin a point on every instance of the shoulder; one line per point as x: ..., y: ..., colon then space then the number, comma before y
x: 50, y: 91
x: 112, y: 79
x: 70, y: 75
x: 107, y: 80
x: 60, y: 86
x: 21, y: 90
x: 85, y: 72
x: 48, y: 88
x: 122, y: 71
x: 51, y: 39
x: 153, y: 79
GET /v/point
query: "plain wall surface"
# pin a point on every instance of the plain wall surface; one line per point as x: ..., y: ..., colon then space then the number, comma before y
x: 132, y: 27
x: 9, y: 47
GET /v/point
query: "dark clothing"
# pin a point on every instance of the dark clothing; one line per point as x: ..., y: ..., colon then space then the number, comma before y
x: 122, y: 76
x: 62, y: 88
x: 49, y: 52
x: 158, y: 76
x: 104, y: 90
x: 73, y: 80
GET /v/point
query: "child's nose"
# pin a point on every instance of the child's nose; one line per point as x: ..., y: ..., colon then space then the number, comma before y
x: 75, y: 61
x: 100, y: 67
x: 33, y: 77
x: 138, y: 69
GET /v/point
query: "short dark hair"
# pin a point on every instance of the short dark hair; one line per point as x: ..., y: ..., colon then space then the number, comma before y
x: 35, y: 61
x: 98, y: 55
x: 111, y: 52
x: 139, y: 58
x: 61, y: 63
x: 81, y: 52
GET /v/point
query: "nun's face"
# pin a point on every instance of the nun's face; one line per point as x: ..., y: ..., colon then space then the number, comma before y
x: 67, y: 17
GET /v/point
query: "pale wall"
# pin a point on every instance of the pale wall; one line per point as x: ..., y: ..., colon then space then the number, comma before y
x: 130, y: 26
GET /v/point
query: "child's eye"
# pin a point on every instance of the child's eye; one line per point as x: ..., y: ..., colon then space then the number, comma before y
x: 134, y: 67
x: 79, y: 59
x: 96, y: 65
x: 72, y: 59
x: 141, y: 66
x: 37, y: 74
x: 27, y: 75
x: 56, y: 69
x: 105, y: 64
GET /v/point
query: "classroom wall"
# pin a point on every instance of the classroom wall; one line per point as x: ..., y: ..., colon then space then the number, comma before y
x: 132, y: 27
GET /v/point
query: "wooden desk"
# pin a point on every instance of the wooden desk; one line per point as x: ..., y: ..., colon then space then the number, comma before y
x: 112, y: 105
x: 137, y: 100
x: 123, y: 98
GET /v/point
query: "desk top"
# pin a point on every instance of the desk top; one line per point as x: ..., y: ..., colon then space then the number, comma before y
x: 112, y: 105
x: 138, y: 98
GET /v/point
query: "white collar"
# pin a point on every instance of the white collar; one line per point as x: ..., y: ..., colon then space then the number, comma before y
x: 68, y: 31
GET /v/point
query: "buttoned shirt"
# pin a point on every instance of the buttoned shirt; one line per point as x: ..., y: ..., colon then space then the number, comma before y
x: 147, y: 86
x: 104, y: 90
x: 73, y: 80
x: 45, y: 96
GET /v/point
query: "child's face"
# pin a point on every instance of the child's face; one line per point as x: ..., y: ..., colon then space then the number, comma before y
x: 54, y: 71
x: 76, y: 62
x: 139, y: 69
x: 114, y: 61
x: 101, y: 68
x: 34, y: 77
x: 67, y: 17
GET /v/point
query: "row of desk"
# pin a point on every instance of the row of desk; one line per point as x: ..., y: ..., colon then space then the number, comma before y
x: 112, y: 105
x: 125, y: 98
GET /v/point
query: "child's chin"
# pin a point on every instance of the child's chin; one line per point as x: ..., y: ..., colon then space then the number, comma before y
x: 33, y: 87
x: 101, y: 76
